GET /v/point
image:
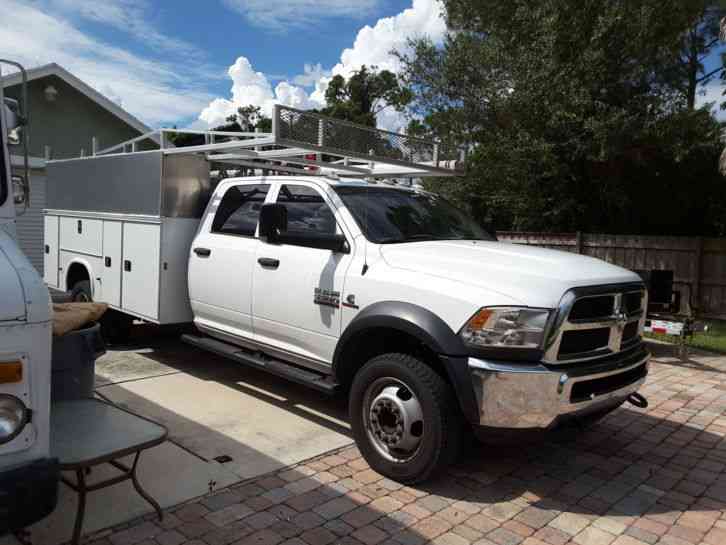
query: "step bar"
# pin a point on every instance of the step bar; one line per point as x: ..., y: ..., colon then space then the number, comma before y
x: 259, y: 361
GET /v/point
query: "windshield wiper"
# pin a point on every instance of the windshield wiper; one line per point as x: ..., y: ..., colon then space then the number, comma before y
x: 412, y: 238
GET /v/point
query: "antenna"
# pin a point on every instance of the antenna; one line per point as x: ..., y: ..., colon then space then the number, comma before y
x: 365, y: 234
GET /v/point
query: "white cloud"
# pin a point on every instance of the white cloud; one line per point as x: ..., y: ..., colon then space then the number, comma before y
x: 311, y: 75
x: 129, y: 16
x: 252, y: 88
x: 150, y: 89
x: 280, y: 15
x: 373, y: 46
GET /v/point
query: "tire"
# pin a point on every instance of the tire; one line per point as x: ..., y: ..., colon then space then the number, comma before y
x: 393, y: 384
x: 116, y: 327
x: 81, y: 292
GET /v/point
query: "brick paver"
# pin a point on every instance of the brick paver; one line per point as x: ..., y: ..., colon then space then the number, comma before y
x: 654, y: 477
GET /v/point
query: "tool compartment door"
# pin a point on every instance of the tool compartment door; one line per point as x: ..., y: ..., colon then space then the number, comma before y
x: 140, y: 269
x: 50, y: 251
x: 111, y: 271
x: 81, y: 235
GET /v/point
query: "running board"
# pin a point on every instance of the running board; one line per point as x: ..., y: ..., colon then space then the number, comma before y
x: 257, y: 360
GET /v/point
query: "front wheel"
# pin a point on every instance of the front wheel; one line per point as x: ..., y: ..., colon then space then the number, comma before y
x: 404, y: 417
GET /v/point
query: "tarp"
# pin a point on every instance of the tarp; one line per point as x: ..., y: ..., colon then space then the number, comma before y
x: 72, y: 316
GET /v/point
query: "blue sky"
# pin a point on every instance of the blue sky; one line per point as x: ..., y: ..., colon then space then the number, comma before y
x: 172, y: 62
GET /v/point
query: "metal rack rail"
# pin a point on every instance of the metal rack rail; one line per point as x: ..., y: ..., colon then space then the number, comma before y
x: 305, y: 142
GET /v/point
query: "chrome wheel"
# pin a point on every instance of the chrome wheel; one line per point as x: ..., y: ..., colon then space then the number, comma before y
x: 393, y: 419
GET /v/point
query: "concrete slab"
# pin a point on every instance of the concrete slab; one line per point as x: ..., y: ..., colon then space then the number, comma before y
x: 212, y: 407
x: 169, y: 473
x: 259, y: 426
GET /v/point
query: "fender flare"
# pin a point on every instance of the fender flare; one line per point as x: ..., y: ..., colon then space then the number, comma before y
x: 430, y: 330
x: 415, y: 320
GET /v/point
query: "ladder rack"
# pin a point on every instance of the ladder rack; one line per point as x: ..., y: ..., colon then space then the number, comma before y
x: 305, y: 142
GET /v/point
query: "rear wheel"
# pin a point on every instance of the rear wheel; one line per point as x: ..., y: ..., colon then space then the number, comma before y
x: 81, y: 292
x: 404, y: 417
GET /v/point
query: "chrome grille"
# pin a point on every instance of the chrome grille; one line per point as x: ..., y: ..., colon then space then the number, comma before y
x: 595, y: 322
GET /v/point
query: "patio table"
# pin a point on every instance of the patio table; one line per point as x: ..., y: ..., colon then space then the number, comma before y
x: 90, y: 432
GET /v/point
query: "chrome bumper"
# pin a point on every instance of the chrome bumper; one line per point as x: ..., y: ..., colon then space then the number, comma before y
x: 514, y: 395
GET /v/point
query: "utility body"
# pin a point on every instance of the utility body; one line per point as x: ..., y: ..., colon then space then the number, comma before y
x: 387, y: 293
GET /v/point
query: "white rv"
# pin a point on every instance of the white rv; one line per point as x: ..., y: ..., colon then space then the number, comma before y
x: 28, y: 477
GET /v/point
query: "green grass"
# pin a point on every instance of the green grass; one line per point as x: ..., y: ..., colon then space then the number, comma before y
x: 714, y: 339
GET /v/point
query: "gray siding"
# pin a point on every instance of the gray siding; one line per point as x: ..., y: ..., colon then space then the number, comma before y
x: 69, y: 123
x: 30, y: 225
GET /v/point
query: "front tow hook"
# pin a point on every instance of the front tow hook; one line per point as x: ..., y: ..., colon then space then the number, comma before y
x: 638, y: 400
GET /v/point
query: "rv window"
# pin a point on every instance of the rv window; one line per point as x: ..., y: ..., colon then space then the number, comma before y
x: 239, y: 210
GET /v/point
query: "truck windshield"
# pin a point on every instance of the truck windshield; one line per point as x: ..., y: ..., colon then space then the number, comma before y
x: 389, y: 215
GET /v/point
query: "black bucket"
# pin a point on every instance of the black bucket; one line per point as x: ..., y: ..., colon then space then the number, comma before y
x: 74, y: 363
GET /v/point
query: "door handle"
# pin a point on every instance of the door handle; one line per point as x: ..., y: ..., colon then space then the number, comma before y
x: 202, y: 252
x: 268, y: 262
x: 127, y: 265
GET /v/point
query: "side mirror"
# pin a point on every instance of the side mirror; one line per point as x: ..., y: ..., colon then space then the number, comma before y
x: 14, y: 121
x: 273, y: 221
x: 20, y: 194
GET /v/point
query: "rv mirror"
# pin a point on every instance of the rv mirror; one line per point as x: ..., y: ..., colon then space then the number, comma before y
x: 20, y: 192
x: 273, y: 221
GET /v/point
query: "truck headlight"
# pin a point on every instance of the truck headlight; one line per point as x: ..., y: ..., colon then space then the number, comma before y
x: 506, y: 327
x: 13, y: 417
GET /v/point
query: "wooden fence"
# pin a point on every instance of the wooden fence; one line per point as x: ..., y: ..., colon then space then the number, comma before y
x: 699, y: 264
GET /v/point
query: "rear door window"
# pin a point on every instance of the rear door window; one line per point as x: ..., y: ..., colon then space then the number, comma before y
x: 239, y: 210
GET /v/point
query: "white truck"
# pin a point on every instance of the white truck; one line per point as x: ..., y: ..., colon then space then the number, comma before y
x: 385, y: 292
x: 28, y: 476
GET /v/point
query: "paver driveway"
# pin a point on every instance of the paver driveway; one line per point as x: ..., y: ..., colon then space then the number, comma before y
x: 654, y: 476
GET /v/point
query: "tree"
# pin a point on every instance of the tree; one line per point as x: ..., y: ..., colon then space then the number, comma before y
x: 575, y: 115
x: 700, y: 42
x: 364, y: 95
x: 246, y: 119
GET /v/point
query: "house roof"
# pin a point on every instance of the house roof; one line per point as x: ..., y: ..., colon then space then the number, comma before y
x: 53, y: 69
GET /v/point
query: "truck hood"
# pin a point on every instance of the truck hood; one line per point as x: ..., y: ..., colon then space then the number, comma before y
x: 529, y: 275
x: 12, y: 297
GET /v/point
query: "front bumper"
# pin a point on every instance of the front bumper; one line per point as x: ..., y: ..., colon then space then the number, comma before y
x: 28, y: 493
x: 535, y: 396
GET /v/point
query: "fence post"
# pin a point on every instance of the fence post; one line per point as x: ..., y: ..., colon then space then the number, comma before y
x: 696, y: 294
x: 578, y: 242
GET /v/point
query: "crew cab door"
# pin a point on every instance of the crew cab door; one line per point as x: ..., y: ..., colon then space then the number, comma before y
x: 222, y: 259
x: 297, y: 289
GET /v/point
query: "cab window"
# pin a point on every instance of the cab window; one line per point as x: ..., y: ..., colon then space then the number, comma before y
x: 239, y: 210
x: 307, y: 212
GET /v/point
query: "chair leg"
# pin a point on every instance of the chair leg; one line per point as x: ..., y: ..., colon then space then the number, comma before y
x: 143, y: 493
x: 81, y: 510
